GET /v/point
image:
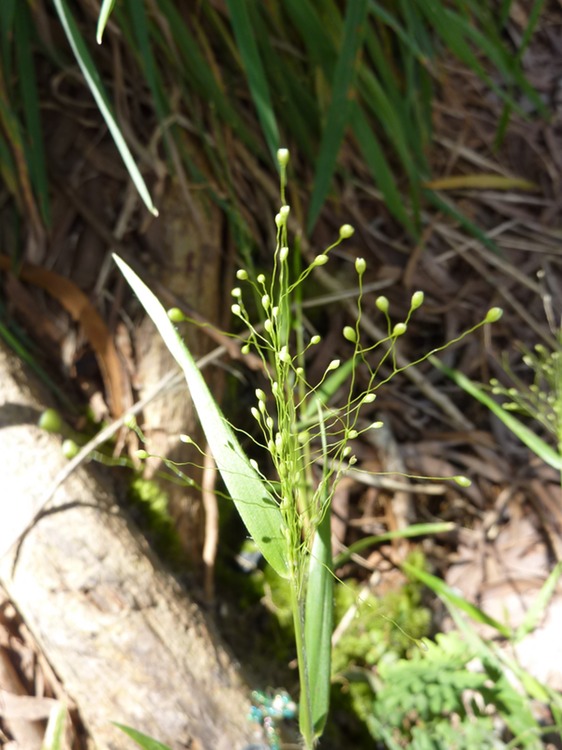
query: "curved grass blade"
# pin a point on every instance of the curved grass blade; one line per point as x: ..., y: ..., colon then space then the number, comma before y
x: 142, y: 740
x: 90, y: 73
x: 255, y: 73
x: 103, y: 18
x: 529, y: 438
x: 339, y: 111
x: 450, y: 596
x: 254, y: 502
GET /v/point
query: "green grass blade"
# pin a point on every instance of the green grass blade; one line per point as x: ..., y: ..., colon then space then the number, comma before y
x: 318, y: 623
x: 94, y: 82
x: 55, y: 733
x: 419, y: 529
x: 30, y: 99
x: 337, y: 118
x: 103, y: 18
x: 255, y: 73
x: 536, y: 611
x: 142, y: 740
x: 446, y: 593
x: 380, y: 169
x: 529, y: 438
x: 254, y: 502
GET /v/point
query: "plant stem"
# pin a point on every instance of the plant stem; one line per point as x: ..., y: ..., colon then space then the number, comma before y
x: 305, y: 709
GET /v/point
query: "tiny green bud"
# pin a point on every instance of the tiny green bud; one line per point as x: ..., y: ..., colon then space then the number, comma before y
x: 360, y: 266
x: 350, y: 334
x: 352, y: 460
x: 283, y: 156
x: 260, y: 395
x: 283, y: 254
x: 368, y: 398
x: 320, y: 260
x: 462, y: 481
x: 275, y: 387
x: 399, y: 329
x: 316, y: 339
x: 284, y: 355
x: 493, y: 315
x: 176, y: 315
x: 245, y: 349
x: 242, y: 274
x: 186, y: 439
x: 376, y: 425
x: 236, y: 292
x: 265, y: 301
x: 334, y: 364
x: 417, y: 300
x: 254, y: 464
x: 261, y: 278
x: 346, y: 451
x: 346, y: 231
x: 268, y: 325
x: 50, y: 421
x: 255, y: 413
x: 236, y: 309
x: 69, y: 448
x: 284, y: 211
x: 351, y: 434
x: 299, y: 372
x: 141, y: 454
x: 269, y: 422
x: 382, y: 303
x: 130, y: 421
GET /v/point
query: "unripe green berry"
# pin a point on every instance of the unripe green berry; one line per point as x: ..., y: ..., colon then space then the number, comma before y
x: 242, y: 274
x: 236, y: 292
x: 283, y: 156
x: 130, y: 421
x: 320, y: 260
x: 462, y: 481
x: 69, y: 448
x: 334, y: 364
x: 346, y: 231
x: 493, y: 315
x: 368, y: 398
x: 283, y: 254
x: 399, y: 329
x: 50, y: 421
x: 315, y: 340
x: 350, y: 334
x: 360, y: 266
x: 261, y: 278
x: 417, y: 300
x: 141, y: 454
x: 265, y: 301
x: 382, y: 303
x: 176, y: 315
x: 236, y: 309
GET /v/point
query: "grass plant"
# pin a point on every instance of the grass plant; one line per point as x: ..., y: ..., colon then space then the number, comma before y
x: 289, y: 517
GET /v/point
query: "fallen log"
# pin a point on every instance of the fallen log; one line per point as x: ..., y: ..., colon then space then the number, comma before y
x: 124, y: 638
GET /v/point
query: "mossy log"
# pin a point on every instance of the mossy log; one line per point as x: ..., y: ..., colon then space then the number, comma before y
x: 125, y: 639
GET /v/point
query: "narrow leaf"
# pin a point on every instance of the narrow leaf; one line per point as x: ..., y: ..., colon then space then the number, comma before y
x: 254, y: 502
x: 339, y: 110
x: 93, y: 80
x: 529, y: 438
x: 142, y: 740
x: 257, y: 79
x: 103, y: 18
